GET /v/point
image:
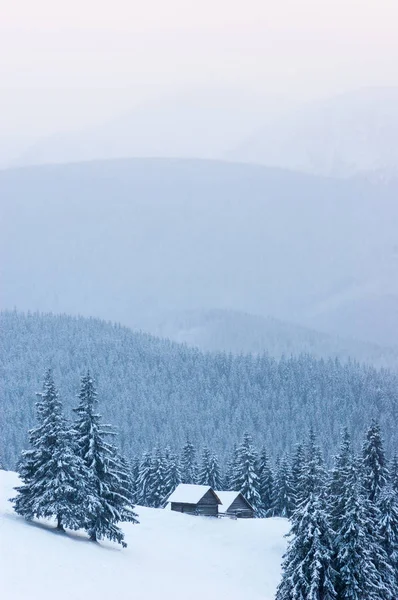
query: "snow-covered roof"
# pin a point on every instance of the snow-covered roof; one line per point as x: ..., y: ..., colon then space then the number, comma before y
x: 189, y: 493
x: 227, y: 498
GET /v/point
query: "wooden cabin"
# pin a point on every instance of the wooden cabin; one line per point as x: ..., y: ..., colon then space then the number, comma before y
x: 234, y: 504
x: 194, y: 500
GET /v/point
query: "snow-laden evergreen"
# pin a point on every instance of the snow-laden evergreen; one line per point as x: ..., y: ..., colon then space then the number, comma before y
x: 340, y: 473
x: 189, y: 465
x: 144, y: 481
x: 55, y: 480
x: 283, y: 499
x: 375, y: 466
x: 245, y: 477
x: 388, y: 527
x: 108, y: 480
x: 363, y: 567
x: 296, y: 469
x: 209, y: 471
x: 172, y: 474
x: 266, y: 482
x: 308, y: 573
x: 158, y: 491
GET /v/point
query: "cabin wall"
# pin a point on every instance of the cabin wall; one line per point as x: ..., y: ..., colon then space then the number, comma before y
x: 241, y: 509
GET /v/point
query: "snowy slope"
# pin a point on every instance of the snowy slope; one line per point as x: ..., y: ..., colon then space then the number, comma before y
x: 169, y: 556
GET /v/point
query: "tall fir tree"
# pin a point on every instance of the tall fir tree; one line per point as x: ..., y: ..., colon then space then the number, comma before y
x: 308, y: 573
x: 144, y: 481
x: 107, y: 474
x: 158, y: 479
x: 297, y: 464
x: 282, y: 501
x: 245, y: 476
x: 394, y: 473
x: 363, y: 567
x: 172, y: 475
x: 388, y: 528
x: 312, y: 475
x: 209, y: 471
x: 339, y: 474
x: 266, y: 483
x: 375, y: 467
x: 54, y: 477
x: 189, y: 467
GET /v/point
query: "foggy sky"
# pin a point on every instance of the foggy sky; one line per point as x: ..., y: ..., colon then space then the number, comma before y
x: 65, y: 65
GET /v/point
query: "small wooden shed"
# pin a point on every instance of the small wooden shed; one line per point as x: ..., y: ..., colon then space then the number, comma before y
x: 234, y: 504
x: 194, y: 500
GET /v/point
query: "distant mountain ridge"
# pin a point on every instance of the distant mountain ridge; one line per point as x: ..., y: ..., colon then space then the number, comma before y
x: 132, y: 239
x: 232, y: 331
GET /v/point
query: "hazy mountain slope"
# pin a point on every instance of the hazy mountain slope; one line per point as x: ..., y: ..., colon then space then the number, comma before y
x: 158, y: 392
x: 232, y: 331
x: 226, y: 558
x: 125, y: 240
x: 340, y: 136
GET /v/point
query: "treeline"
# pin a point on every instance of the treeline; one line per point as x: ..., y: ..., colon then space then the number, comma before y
x: 153, y: 390
x: 72, y: 472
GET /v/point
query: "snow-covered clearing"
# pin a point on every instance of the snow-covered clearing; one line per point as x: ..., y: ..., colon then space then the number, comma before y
x: 170, y: 556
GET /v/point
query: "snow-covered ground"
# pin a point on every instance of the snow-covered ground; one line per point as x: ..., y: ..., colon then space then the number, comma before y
x: 170, y: 556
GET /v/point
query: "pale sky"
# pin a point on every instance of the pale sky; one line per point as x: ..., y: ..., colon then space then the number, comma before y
x: 65, y: 64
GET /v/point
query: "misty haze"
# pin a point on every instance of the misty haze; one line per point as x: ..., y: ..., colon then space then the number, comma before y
x: 199, y: 300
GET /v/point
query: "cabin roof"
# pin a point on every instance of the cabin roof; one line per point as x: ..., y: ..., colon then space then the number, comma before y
x: 190, y: 493
x: 228, y: 498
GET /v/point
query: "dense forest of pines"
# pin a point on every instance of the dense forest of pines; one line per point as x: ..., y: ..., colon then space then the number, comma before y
x: 160, y: 393
x: 344, y: 520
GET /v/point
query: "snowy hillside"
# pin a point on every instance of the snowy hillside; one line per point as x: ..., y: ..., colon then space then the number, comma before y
x: 124, y: 240
x: 169, y: 556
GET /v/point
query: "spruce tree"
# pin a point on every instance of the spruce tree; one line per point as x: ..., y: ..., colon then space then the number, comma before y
x: 54, y: 477
x: 209, y: 471
x: 388, y: 528
x: 282, y: 501
x: 307, y: 566
x: 144, y: 481
x: 394, y: 473
x: 297, y: 464
x: 245, y: 477
x: 172, y: 475
x: 158, y: 479
x: 266, y: 483
x: 188, y: 463
x: 108, y: 479
x: 312, y: 475
x: 363, y: 567
x: 374, y: 469
x: 340, y: 473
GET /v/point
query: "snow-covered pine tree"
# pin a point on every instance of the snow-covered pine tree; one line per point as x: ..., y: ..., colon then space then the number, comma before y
x: 338, y: 476
x: 55, y: 481
x: 189, y: 467
x: 158, y: 479
x: 109, y: 482
x: 307, y: 566
x: 134, y: 470
x: 394, y: 473
x: 363, y: 567
x: 172, y: 475
x: 388, y: 528
x: 374, y: 468
x: 144, y: 481
x: 209, y: 471
x: 282, y: 501
x: 266, y: 482
x: 312, y: 476
x: 230, y: 469
x: 296, y: 470
x: 245, y: 477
